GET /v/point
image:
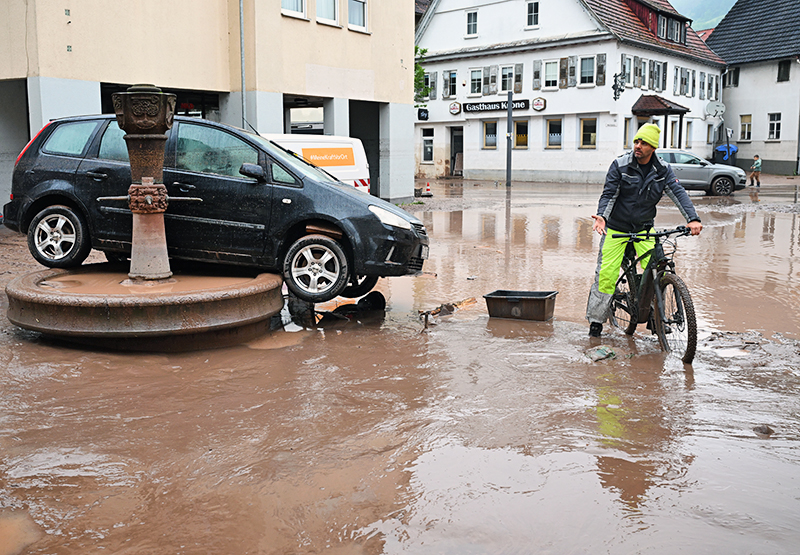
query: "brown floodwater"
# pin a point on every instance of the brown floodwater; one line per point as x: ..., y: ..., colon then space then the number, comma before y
x: 476, y: 435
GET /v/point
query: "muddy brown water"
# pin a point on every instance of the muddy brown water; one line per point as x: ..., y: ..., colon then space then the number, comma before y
x: 477, y: 435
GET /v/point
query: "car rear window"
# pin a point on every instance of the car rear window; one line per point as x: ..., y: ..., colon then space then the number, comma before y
x: 112, y: 145
x: 70, y: 138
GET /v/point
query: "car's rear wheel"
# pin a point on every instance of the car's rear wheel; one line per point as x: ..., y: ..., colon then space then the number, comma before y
x: 59, y: 238
x: 315, y: 268
x: 722, y: 186
x: 359, y: 286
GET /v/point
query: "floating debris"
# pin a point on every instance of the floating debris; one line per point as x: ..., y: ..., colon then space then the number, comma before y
x: 763, y: 431
x: 603, y: 352
x: 445, y: 309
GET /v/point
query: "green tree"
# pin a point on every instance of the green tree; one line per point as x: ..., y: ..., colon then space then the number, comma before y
x: 421, y: 91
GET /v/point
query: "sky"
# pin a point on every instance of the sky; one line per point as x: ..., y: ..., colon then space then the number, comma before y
x: 704, y: 13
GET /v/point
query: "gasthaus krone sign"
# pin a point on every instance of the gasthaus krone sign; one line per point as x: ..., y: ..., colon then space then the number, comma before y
x: 495, y: 106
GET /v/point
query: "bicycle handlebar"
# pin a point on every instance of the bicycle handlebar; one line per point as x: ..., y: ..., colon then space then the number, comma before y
x: 681, y: 231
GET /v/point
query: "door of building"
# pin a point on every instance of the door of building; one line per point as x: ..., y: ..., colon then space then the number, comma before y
x: 457, y: 151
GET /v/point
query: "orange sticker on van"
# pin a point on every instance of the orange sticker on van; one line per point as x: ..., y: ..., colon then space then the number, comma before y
x: 325, y: 157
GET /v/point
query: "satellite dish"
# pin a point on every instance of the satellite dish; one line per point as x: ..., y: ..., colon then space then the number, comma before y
x: 715, y: 109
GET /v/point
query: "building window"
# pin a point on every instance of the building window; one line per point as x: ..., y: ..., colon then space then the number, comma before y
x: 550, y: 75
x: 710, y: 94
x: 710, y: 134
x: 662, y: 27
x: 554, y: 133
x: 745, y: 127
x: 452, y: 82
x: 475, y: 81
x: 731, y: 78
x: 472, y: 24
x: 673, y: 131
x: 533, y: 14
x: 427, y: 84
x: 688, y: 134
x: 490, y: 134
x: 427, y: 145
x: 357, y: 13
x: 588, y: 133
x: 784, y: 68
x: 326, y: 10
x: 507, y: 79
x: 587, y: 71
x: 521, y: 134
x: 774, y: 127
x: 626, y: 134
x: 296, y: 6
x: 627, y: 70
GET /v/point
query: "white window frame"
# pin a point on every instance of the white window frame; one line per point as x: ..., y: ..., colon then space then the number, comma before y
x: 426, y: 84
x: 662, y: 27
x: 469, y: 23
x: 710, y: 134
x: 580, y: 133
x: 506, y: 78
x: 689, y: 134
x: 745, y: 127
x: 496, y: 123
x: 532, y: 14
x: 295, y: 13
x: 453, y: 89
x: 774, y: 126
x: 365, y: 14
x: 627, y: 70
x: 335, y: 20
x: 592, y: 73
x: 427, y: 145
x: 472, y: 72
x: 554, y: 86
x: 547, y: 133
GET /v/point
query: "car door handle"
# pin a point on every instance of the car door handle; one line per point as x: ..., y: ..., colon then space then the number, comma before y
x: 287, y: 201
x: 97, y: 176
x: 184, y: 187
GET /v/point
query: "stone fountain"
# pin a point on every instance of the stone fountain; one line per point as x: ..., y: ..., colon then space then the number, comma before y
x: 149, y: 308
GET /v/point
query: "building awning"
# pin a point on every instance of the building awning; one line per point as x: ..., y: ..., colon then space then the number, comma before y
x: 653, y: 105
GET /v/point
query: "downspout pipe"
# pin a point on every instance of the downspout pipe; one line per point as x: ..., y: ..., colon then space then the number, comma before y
x: 241, y: 51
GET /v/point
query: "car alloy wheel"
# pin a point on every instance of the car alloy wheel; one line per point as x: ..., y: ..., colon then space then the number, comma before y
x: 722, y: 186
x: 315, y: 268
x: 58, y: 237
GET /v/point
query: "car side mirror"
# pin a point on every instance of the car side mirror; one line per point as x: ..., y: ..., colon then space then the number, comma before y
x: 255, y: 171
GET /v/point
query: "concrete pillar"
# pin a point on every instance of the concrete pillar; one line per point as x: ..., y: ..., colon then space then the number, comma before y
x: 13, y: 130
x: 397, y: 152
x: 51, y: 98
x: 264, y: 110
x: 336, y: 116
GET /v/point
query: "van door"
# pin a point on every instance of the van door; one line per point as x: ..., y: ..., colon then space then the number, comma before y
x: 230, y: 221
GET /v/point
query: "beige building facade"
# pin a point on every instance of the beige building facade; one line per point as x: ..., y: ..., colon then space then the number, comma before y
x: 353, y: 60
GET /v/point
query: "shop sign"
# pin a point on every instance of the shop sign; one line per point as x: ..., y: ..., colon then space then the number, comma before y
x: 495, y: 106
x: 455, y: 108
x: 422, y: 114
x: 539, y: 104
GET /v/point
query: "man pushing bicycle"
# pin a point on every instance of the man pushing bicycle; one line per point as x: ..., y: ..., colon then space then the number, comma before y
x: 634, y: 185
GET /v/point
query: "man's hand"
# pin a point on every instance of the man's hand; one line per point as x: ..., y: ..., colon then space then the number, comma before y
x: 695, y: 227
x: 599, y: 225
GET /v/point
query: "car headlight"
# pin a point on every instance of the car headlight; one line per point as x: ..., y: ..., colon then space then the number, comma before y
x: 388, y: 218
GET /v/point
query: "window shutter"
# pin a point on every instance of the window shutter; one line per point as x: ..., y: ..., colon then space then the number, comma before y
x: 716, y: 89
x: 736, y: 77
x: 600, y: 81
x: 676, y: 81
x: 493, y: 79
x: 702, y: 90
x: 434, y: 76
x: 573, y: 64
x: 537, y: 74
x: 562, y: 73
x: 622, y: 64
x: 637, y: 72
x: 651, y: 75
x: 664, y: 76
x: 486, y: 72
x: 694, y: 82
x: 517, y: 78
x: 657, y: 76
x: 446, y: 85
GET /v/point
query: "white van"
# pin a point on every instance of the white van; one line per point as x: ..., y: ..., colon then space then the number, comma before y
x: 342, y: 157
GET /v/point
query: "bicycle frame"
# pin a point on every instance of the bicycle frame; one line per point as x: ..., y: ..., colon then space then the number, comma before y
x: 645, y: 289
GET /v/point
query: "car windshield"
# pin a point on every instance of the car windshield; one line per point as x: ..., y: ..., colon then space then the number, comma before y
x: 293, y: 161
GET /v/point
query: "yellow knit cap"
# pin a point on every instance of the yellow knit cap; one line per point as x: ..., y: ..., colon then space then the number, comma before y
x: 649, y: 133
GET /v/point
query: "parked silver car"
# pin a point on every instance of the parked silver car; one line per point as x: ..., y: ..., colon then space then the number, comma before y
x: 696, y: 174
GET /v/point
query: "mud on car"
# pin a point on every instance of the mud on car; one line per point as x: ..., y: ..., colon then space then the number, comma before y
x: 261, y: 207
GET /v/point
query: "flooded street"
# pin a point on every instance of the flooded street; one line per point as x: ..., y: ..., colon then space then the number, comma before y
x: 475, y: 435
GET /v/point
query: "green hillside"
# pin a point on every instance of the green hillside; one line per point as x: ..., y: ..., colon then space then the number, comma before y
x: 704, y: 13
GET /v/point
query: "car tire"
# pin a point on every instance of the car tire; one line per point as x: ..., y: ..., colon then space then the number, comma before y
x: 360, y: 287
x: 59, y: 238
x: 722, y: 186
x: 315, y: 268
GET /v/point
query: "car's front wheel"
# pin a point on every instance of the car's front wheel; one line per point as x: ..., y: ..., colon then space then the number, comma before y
x: 59, y: 238
x: 315, y: 268
x: 722, y: 186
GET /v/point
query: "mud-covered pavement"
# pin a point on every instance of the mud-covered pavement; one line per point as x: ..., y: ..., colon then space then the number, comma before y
x: 476, y: 435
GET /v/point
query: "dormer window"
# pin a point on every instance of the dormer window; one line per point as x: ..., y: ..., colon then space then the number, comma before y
x: 662, y: 27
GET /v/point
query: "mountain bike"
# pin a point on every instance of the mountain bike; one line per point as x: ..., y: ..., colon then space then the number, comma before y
x: 667, y: 308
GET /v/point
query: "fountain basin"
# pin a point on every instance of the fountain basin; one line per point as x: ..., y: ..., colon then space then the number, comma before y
x: 99, y: 304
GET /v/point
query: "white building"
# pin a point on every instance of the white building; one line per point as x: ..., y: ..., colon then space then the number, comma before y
x: 560, y: 60
x: 762, y: 82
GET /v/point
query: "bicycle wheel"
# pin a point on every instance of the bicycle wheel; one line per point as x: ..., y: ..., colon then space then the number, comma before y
x: 624, y: 311
x: 678, y: 333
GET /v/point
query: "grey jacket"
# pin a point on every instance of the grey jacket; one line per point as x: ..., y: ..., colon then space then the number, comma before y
x: 629, y: 198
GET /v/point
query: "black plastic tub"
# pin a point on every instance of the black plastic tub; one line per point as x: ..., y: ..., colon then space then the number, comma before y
x: 521, y: 305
